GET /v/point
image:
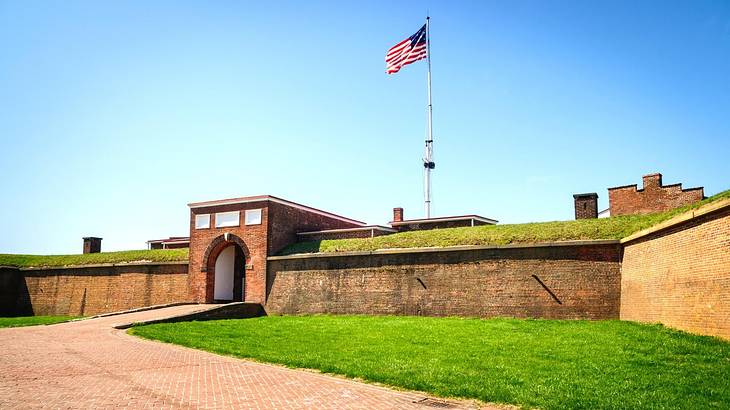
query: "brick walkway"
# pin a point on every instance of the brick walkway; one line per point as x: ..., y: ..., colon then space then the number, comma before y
x: 89, y: 364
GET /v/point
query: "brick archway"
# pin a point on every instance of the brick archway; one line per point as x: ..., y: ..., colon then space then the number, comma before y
x: 216, y: 246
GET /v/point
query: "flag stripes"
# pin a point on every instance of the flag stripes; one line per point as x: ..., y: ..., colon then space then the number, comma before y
x: 408, y: 51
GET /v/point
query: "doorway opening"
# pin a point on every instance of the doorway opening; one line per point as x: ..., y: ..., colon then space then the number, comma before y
x: 228, y: 282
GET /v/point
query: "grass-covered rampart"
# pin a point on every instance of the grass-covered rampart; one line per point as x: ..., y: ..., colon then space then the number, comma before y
x: 157, y: 255
x: 617, y: 227
x: 605, y: 228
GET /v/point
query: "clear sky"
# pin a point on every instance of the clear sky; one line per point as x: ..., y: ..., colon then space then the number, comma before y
x: 115, y: 115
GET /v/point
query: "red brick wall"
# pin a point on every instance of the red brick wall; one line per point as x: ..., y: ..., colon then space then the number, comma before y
x: 13, y: 293
x: 653, y: 197
x: 255, y: 238
x: 286, y: 221
x: 94, y: 290
x: 586, y: 206
x: 483, y: 283
x: 681, y: 276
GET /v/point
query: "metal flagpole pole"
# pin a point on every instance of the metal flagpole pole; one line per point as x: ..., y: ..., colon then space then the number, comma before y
x: 428, y: 163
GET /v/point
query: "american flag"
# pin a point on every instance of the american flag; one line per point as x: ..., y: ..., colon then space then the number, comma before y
x: 408, y: 51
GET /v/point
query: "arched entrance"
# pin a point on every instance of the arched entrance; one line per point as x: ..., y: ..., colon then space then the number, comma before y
x: 229, y: 274
x: 225, y: 267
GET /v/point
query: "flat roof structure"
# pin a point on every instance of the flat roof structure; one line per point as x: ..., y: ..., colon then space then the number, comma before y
x: 271, y: 198
x: 477, y: 218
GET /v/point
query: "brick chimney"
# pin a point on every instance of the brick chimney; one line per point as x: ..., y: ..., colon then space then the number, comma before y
x: 652, y: 180
x: 92, y: 244
x: 586, y: 205
x: 397, y: 214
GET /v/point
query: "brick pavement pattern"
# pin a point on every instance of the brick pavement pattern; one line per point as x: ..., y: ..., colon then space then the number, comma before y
x: 89, y: 364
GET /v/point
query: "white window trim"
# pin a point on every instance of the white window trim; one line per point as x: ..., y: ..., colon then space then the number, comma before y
x: 237, y: 222
x: 252, y: 212
x: 207, y: 225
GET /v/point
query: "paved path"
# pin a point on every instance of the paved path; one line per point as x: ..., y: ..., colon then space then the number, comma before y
x: 89, y: 364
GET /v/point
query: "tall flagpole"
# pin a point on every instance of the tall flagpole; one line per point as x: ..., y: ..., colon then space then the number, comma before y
x: 428, y: 163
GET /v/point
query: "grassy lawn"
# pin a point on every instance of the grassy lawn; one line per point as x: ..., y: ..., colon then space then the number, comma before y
x: 604, y: 228
x: 551, y: 364
x: 157, y: 255
x: 32, y: 320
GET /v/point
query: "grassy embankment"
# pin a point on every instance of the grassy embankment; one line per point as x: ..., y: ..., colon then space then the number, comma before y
x: 550, y: 364
x: 604, y: 228
x: 160, y: 255
x: 32, y: 320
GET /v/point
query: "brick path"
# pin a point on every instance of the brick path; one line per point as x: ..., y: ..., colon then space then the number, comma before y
x: 89, y: 364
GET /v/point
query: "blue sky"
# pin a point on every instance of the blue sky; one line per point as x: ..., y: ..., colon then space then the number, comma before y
x: 115, y: 115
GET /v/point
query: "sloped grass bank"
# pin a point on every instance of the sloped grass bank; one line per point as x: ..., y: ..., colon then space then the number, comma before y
x: 156, y: 255
x: 550, y: 364
x: 585, y: 229
x: 32, y: 320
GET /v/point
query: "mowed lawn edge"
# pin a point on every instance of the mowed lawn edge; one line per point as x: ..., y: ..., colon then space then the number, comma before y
x: 550, y: 364
x: 23, y: 321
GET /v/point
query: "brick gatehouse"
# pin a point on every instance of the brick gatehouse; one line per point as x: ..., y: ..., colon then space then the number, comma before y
x: 230, y: 240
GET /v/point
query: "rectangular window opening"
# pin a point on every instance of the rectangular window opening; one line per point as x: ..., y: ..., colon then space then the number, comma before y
x: 225, y: 219
x: 253, y: 217
x: 202, y: 221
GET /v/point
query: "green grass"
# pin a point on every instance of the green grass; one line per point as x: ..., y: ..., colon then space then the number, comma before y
x: 160, y: 255
x: 604, y: 228
x: 550, y: 364
x: 32, y: 320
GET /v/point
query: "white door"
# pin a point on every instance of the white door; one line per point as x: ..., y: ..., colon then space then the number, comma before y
x: 223, y: 285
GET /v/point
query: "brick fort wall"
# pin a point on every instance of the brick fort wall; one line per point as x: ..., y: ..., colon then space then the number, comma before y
x: 84, y: 291
x: 286, y: 221
x: 580, y: 280
x: 680, y: 276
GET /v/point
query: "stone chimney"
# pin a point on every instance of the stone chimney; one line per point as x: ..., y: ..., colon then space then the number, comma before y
x: 92, y: 244
x: 586, y: 205
x: 397, y: 214
x: 652, y: 180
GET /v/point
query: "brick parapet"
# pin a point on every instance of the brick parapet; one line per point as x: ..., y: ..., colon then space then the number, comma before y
x: 91, y: 289
x: 653, y: 197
